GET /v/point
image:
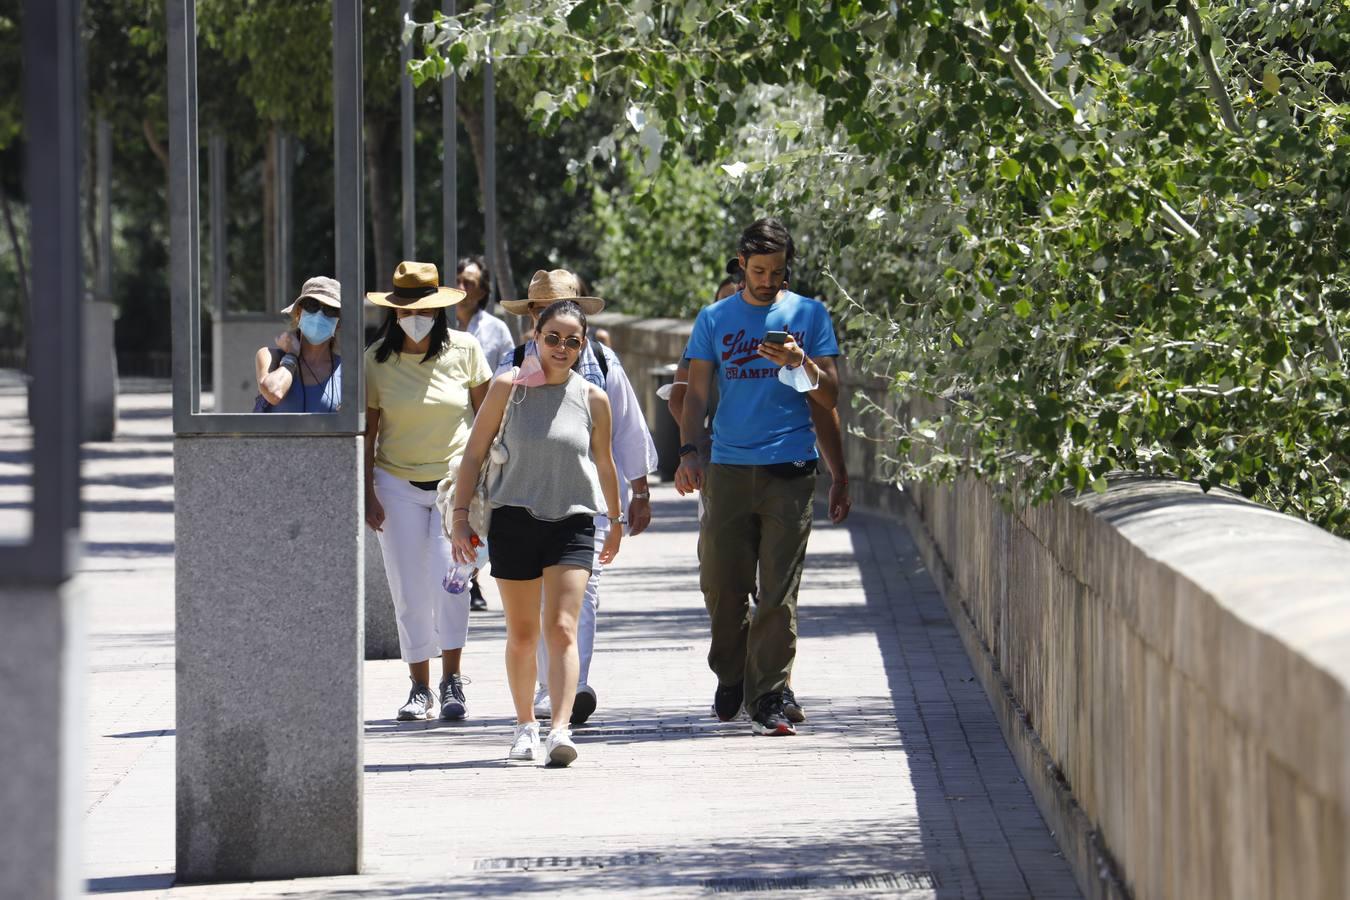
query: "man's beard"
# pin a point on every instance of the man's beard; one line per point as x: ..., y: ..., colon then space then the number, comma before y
x: 772, y: 294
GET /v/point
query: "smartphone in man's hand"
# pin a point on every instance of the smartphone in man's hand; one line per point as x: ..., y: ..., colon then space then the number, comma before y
x: 776, y: 337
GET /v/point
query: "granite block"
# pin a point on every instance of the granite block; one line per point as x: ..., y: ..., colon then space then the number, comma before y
x: 270, y: 585
x: 381, y: 626
x: 41, y: 739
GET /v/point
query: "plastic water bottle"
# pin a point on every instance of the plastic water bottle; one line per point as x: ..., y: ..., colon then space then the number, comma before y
x: 458, y: 576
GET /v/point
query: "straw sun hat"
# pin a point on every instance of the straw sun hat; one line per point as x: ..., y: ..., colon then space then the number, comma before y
x: 550, y: 287
x: 417, y: 285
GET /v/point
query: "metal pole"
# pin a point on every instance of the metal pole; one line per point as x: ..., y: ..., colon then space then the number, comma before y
x: 281, y: 245
x: 348, y: 160
x: 449, y: 167
x: 184, y: 214
x: 103, y: 281
x: 406, y: 123
x: 220, y: 263
x: 53, y: 108
x: 490, y: 166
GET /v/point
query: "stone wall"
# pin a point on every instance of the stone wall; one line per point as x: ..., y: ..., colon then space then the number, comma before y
x: 1171, y: 669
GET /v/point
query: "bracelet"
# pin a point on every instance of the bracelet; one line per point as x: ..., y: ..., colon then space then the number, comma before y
x: 460, y: 509
x: 289, y: 361
x: 686, y: 449
x: 645, y: 495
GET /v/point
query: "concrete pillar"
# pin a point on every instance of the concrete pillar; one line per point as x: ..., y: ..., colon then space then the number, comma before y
x: 235, y: 339
x: 99, y: 422
x: 269, y: 584
x: 41, y: 732
x: 381, y: 627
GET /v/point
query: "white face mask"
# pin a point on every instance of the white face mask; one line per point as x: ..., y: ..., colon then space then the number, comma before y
x: 416, y: 327
x: 797, y: 379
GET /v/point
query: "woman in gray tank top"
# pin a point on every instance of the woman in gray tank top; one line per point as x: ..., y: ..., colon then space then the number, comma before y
x: 559, y: 474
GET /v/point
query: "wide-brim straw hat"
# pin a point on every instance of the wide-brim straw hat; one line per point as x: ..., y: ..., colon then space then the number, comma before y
x: 322, y: 288
x: 550, y: 287
x: 417, y: 285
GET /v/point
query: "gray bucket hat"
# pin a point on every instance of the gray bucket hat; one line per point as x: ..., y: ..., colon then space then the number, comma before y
x: 322, y: 288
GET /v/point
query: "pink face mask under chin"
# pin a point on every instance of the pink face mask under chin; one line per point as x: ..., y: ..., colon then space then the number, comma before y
x: 531, y: 372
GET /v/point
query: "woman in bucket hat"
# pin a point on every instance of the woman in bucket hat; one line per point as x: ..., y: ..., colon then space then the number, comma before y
x: 558, y: 474
x: 423, y: 384
x: 302, y: 373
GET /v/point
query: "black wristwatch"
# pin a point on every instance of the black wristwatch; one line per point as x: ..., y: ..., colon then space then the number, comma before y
x: 686, y: 449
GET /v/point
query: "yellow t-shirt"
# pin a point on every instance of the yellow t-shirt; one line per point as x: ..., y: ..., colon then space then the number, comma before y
x: 425, y: 413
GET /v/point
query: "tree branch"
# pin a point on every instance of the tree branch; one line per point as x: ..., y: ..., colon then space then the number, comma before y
x: 148, y: 129
x: 1216, y: 87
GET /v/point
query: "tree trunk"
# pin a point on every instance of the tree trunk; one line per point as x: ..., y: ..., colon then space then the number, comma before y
x: 90, y: 207
x: 152, y: 141
x: 380, y: 134
x: 18, y: 252
x: 472, y: 120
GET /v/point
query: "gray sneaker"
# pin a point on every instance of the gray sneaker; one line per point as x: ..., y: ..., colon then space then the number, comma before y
x: 453, y: 704
x: 418, y: 705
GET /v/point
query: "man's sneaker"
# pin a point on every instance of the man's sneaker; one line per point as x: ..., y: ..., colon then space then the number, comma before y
x: 418, y: 705
x: 453, y: 704
x: 560, y: 750
x: 525, y: 742
x: 476, y: 601
x: 728, y: 700
x: 542, y: 708
x: 791, y: 708
x: 769, y: 718
x: 583, y: 705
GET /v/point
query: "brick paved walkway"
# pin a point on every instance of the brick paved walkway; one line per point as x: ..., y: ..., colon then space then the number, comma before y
x: 899, y: 784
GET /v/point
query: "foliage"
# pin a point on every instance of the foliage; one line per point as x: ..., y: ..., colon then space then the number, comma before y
x: 662, y: 243
x: 1105, y: 235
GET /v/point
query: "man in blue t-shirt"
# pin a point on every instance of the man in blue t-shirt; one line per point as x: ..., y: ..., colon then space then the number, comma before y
x: 772, y: 352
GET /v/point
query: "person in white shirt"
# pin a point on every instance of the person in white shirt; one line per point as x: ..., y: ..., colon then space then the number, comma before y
x: 472, y: 277
x: 634, y: 455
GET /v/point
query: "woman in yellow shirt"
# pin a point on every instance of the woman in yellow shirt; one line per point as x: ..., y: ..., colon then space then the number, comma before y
x: 423, y: 384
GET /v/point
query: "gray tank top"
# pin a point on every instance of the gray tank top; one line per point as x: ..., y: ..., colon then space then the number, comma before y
x: 549, y: 471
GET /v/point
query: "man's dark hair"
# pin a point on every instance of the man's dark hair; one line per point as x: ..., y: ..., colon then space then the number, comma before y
x: 391, y: 336
x: 465, y: 262
x: 764, y: 237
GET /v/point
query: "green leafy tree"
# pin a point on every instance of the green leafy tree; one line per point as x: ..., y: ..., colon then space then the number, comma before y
x: 662, y: 242
x: 1090, y: 236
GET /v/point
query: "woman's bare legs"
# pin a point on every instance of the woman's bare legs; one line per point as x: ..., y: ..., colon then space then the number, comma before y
x: 564, y: 590
x: 520, y: 602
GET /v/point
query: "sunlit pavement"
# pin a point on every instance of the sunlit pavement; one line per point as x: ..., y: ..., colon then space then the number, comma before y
x: 899, y: 784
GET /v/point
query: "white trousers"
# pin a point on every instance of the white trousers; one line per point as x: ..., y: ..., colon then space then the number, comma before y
x: 586, y: 623
x: 416, y: 556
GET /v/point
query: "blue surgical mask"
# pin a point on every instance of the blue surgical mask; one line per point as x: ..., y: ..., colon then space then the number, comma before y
x: 316, y: 327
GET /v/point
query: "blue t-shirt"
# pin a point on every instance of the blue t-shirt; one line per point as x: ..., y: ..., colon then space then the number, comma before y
x: 315, y: 398
x: 759, y: 419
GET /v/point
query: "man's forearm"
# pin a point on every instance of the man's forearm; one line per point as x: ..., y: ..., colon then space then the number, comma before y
x: 692, y: 428
x: 826, y: 394
x: 829, y: 438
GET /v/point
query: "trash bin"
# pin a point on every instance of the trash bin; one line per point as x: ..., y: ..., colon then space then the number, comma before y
x: 665, y: 432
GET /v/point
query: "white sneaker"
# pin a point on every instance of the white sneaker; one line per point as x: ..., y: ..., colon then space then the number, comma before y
x: 542, y: 708
x: 525, y: 742
x: 561, y: 751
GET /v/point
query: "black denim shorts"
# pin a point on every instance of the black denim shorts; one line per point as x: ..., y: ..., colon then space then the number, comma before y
x: 521, y: 547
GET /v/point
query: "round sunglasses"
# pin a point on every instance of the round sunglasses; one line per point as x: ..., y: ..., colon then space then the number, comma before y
x: 310, y: 305
x: 553, y: 339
